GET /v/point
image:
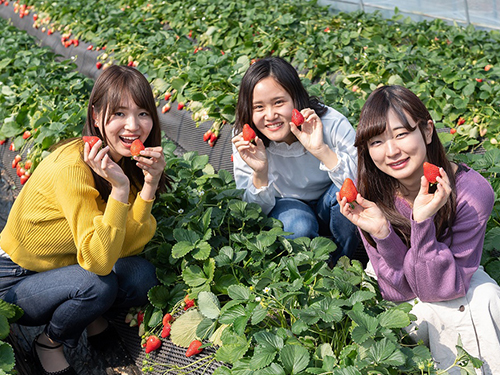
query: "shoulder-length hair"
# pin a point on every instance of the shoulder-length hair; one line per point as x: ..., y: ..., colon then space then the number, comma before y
x: 108, y: 93
x: 286, y: 75
x: 378, y: 187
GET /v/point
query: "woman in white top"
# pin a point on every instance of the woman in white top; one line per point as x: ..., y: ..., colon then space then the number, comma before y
x: 293, y: 173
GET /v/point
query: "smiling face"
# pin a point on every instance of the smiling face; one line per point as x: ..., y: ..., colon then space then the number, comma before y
x: 124, y: 125
x: 399, y: 152
x: 272, y: 110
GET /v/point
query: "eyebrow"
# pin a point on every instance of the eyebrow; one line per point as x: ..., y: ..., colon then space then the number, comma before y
x: 275, y: 98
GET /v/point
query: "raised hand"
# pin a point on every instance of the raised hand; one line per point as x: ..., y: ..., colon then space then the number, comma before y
x: 366, y: 215
x: 426, y: 204
x: 253, y: 154
x: 311, y: 132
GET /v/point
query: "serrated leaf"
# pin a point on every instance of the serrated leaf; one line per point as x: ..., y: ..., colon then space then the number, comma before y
x: 263, y: 356
x: 268, y: 338
x: 273, y: 369
x: 394, y: 319
x: 184, y: 328
x: 201, y: 251
x: 158, y: 296
x: 239, y: 292
x: 206, y: 328
x: 7, y: 358
x: 181, y: 249
x: 258, y: 314
x: 194, y: 276
x: 228, y: 316
x: 294, y: 358
x: 209, y: 305
x: 230, y: 353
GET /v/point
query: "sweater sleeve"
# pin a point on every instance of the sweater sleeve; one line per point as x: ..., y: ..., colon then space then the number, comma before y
x: 243, y: 176
x: 140, y: 227
x: 437, y: 269
x: 340, y: 138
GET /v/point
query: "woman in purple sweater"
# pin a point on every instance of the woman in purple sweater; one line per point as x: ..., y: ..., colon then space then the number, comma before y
x: 425, y: 242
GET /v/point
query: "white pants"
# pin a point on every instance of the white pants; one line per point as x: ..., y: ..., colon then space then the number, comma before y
x: 475, y: 317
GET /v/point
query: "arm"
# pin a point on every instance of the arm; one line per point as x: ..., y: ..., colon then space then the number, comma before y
x: 440, y: 270
x: 244, y: 178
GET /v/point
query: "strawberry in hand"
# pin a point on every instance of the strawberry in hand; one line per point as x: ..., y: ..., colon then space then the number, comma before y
x: 431, y: 172
x: 349, y: 191
x: 90, y: 139
x: 248, y: 133
x: 297, y: 117
x: 136, y: 147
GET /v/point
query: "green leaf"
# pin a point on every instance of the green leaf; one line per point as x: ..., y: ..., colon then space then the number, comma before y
x: 7, y: 358
x: 294, y: 358
x: 231, y: 314
x: 181, y: 249
x: 394, y: 319
x: 273, y: 369
x: 201, y: 250
x: 239, y: 292
x: 194, y: 276
x: 158, y: 296
x: 258, y: 314
x: 268, y: 338
x: 206, y: 328
x: 263, y: 356
x: 186, y: 235
x: 230, y: 353
x: 209, y: 305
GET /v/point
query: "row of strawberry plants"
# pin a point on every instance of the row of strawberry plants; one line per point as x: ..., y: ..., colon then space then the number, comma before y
x: 264, y: 303
x: 196, y: 51
x: 42, y: 100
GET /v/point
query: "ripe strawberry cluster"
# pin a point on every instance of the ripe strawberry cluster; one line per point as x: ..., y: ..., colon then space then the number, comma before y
x: 152, y: 341
x: 169, y: 97
x: 211, y: 136
x: 23, y: 169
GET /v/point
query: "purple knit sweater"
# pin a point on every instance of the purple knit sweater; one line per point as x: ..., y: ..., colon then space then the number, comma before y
x: 430, y: 269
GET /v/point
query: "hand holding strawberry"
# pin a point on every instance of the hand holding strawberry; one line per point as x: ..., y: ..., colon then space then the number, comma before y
x: 248, y: 133
x: 431, y: 172
x: 297, y: 117
x: 91, y: 140
x: 348, y: 191
x: 428, y: 202
x: 136, y: 147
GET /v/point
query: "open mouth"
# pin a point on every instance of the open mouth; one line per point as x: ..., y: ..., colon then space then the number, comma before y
x: 128, y: 140
x: 274, y: 126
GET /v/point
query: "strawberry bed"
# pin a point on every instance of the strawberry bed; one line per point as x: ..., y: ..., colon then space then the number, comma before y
x: 264, y: 304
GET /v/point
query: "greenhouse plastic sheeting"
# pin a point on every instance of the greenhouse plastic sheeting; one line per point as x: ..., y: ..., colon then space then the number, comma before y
x: 483, y: 14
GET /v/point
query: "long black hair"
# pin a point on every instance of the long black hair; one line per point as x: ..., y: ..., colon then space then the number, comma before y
x: 286, y: 75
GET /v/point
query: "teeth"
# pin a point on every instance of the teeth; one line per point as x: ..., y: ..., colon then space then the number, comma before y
x: 272, y: 126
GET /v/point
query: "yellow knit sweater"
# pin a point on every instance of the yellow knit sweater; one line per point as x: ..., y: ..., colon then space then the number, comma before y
x: 59, y: 219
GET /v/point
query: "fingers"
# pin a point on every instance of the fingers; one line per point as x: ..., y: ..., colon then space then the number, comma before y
x: 151, y: 160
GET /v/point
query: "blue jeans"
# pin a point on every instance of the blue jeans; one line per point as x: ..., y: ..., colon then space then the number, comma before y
x: 320, y: 217
x: 68, y: 299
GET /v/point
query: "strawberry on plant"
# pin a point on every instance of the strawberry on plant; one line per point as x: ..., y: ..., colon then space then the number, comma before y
x: 12, y: 147
x: 165, y: 332
x: 90, y: 48
x: 16, y: 160
x: 168, y: 95
x: 98, y: 65
x: 188, y: 303
x: 165, y: 108
x: 2, y: 141
x: 90, y: 139
x: 152, y: 343
x: 136, y: 147
x: 26, y: 134
x: 167, y: 318
x: 460, y: 121
x: 248, y: 133
x: 140, y: 317
x: 348, y: 190
x: 194, y: 348
x: 206, y: 136
x: 487, y: 67
x: 453, y: 131
x: 180, y: 106
x: 431, y: 171
x: 23, y: 179
x: 297, y: 117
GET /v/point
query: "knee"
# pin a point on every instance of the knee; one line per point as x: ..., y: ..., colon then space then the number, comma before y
x: 95, y: 287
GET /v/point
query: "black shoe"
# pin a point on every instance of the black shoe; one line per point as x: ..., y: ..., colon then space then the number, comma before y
x: 67, y: 371
x: 104, y: 340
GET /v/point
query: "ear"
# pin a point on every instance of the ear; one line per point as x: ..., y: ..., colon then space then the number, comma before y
x: 429, y: 129
x: 94, y: 116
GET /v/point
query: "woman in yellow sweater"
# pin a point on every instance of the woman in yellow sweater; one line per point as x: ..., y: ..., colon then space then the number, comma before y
x: 69, y: 248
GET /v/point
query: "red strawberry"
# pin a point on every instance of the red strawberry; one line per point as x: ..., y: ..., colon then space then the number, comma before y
x: 188, y: 302
x: 479, y: 80
x: 168, y: 95
x: 90, y: 48
x: 487, y: 67
x: 136, y: 147
x: 460, y: 121
x: 453, y: 131
x: 165, y: 108
x: 348, y: 190
x: 248, y: 133
x: 431, y: 171
x: 152, y: 343
x: 193, y: 348
x: 206, y: 136
x: 165, y: 332
x: 90, y: 139
x: 140, y: 317
x: 180, y: 106
x: 167, y: 318
x: 98, y: 65
x: 297, y: 117
x: 12, y: 147
x: 23, y: 179
x: 26, y: 134
x: 27, y: 164
x: 2, y: 141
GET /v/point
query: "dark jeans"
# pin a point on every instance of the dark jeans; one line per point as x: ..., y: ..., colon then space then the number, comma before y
x: 68, y: 299
x: 321, y: 217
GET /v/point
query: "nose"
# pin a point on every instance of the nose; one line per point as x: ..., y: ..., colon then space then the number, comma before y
x: 132, y: 123
x: 270, y: 113
x: 391, y: 148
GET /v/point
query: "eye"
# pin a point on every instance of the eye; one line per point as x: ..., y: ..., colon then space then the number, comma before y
x: 144, y: 114
x: 401, y: 134
x: 279, y: 102
x: 373, y: 142
x: 119, y: 114
x: 257, y: 107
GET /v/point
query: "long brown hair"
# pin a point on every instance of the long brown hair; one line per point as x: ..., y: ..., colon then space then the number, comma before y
x: 286, y: 75
x: 114, y: 84
x: 378, y: 187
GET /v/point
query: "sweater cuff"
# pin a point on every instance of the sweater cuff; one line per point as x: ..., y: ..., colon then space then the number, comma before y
x: 115, y: 214
x: 141, y: 209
